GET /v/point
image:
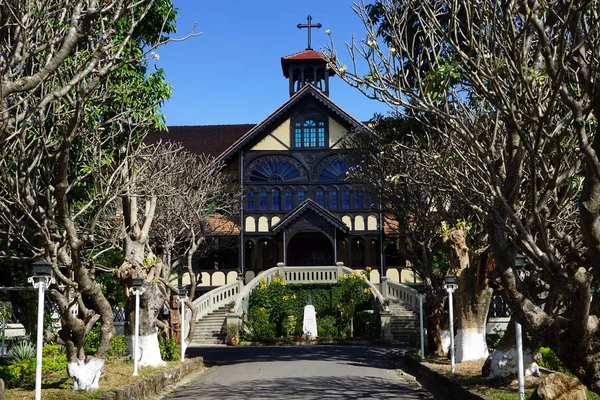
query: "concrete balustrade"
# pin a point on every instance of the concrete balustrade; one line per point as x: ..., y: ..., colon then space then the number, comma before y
x: 218, y: 297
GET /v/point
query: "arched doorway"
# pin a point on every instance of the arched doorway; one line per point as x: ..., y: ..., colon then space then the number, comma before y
x: 310, y: 248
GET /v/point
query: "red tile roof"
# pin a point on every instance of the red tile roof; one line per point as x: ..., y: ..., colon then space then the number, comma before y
x: 202, y: 139
x: 304, y: 55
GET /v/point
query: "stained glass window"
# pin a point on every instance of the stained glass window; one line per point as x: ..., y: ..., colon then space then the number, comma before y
x: 250, y: 200
x: 301, y: 196
x: 289, y: 201
x: 275, y: 171
x: 346, y: 199
x: 358, y: 199
x: 333, y: 199
x: 310, y: 133
x: 334, y: 171
x: 320, y: 197
x: 263, y: 199
x: 275, y: 199
x: 321, y: 134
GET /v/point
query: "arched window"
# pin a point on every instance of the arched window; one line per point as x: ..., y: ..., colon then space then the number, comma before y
x: 335, y: 170
x: 275, y: 199
x: 333, y: 199
x: 310, y: 133
x: 250, y: 200
x: 289, y: 199
x: 275, y: 171
x: 346, y: 198
x: 320, y: 197
x: 262, y: 199
x: 358, y: 199
x: 301, y: 195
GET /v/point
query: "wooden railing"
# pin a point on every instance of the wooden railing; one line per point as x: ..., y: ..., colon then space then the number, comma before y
x: 218, y: 297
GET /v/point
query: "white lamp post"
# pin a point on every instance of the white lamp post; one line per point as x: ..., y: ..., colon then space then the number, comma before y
x: 519, y: 268
x: 450, y: 287
x: 421, y: 296
x: 137, y: 290
x: 182, y: 299
x: 41, y: 280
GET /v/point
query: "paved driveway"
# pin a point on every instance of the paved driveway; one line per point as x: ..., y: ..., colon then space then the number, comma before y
x: 300, y: 372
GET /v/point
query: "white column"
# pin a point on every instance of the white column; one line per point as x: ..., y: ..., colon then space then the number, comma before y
x: 40, y: 340
x: 182, y: 329
x: 421, y: 325
x: 450, y: 310
x: 520, y: 360
x: 137, y: 332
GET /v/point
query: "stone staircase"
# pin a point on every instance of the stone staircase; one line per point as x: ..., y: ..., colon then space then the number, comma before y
x: 211, y: 329
x: 405, y: 323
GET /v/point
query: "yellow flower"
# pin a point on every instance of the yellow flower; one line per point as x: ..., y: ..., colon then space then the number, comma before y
x: 283, y: 283
x: 286, y: 297
x: 339, y: 306
x: 262, y: 279
x: 277, y: 279
x: 293, y: 296
x: 368, y: 269
x: 342, y: 313
x: 367, y: 290
x: 363, y: 278
x: 262, y: 309
x: 263, y: 286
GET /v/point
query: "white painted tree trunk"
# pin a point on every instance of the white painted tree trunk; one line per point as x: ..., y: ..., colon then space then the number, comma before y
x: 470, y: 345
x: 86, y: 374
x: 148, y: 351
x: 504, y: 364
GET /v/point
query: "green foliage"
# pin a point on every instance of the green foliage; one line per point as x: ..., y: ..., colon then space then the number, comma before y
x: 274, y: 308
x: 258, y: 324
x: 118, y: 347
x: 54, y: 364
x: 20, y: 374
x: 232, y: 330
x: 367, y: 324
x: 111, y: 286
x: 327, y: 325
x: 169, y: 349
x: 92, y: 340
x: 290, y: 325
x: 53, y: 350
x: 21, y: 351
x: 551, y: 361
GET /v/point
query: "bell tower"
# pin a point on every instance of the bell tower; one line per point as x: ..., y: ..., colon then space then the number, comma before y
x: 307, y: 66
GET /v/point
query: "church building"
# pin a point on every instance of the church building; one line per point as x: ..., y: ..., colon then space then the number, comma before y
x: 299, y: 205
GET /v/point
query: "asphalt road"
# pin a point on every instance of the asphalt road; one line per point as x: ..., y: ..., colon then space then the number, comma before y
x: 300, y: 372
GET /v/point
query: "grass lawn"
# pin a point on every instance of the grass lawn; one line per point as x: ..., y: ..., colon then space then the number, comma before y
x: 117, y: 373
x: 469, y: 373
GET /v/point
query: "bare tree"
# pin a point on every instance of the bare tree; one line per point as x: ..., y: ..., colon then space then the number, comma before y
x: 175, y: 202
x: 516, y: 88
x: 75, y: 100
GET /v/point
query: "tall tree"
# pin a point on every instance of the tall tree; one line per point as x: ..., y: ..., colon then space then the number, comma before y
x: 516, y: 88
x: 75, y: 100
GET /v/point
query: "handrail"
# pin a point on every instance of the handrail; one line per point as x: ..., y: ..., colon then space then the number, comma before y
x: 399, y: 291
x: 216, y: 298
x: 323, y: 274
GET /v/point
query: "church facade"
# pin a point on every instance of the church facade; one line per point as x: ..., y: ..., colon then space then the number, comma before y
x: 299, y: 205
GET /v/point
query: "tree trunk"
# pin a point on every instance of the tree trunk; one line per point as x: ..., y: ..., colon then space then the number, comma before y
x: 433, y: 322
x: 473, y: 298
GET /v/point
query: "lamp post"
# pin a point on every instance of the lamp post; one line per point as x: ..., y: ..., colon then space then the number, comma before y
x: 519, y: 268
x: 421, y: 297
x: 182, y: 299
x: 137, y: 290
x: 450, y: 286
x: 41, y: 280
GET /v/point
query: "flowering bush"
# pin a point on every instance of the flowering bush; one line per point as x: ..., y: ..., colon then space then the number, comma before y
x: 258, y: 324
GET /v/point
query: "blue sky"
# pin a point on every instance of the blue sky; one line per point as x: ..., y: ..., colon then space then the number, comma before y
x: 231, y: 74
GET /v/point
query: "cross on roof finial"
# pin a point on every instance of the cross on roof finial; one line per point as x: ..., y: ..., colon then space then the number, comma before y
x: 309, y: 26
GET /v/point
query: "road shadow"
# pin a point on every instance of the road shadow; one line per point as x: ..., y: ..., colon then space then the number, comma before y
x: 372, y: 356
x: 344, y: 387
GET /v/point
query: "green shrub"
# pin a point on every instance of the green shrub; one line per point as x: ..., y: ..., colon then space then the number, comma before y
x: 21, y: 351
x: 289, y: 325
x: 328, y: 325
x: 551, y: 361
x: 258, y: 324
x: 20, y: 374
x: 54, y: 364
x: 118, y: 347
x: 169, y: 349
x: 92, y: 340
x: 367, y: 324
x: 52, y: 350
